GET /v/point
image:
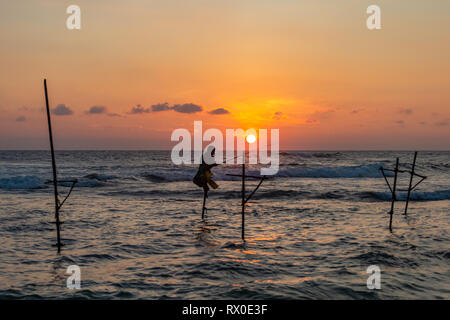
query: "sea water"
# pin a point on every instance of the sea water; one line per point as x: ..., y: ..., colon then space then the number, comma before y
x: 133, y: 226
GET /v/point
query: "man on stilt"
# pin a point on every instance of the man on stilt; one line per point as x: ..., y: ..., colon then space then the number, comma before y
x: 203, y: 177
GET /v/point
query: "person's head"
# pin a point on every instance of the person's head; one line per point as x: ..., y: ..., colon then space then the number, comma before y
x: 209, y: 155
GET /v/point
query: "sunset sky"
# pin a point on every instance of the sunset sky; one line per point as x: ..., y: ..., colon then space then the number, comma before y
x: 139, y: 69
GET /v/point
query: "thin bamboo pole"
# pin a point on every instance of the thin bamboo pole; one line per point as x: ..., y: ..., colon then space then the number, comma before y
x: 243, y: 198
x: 256, y: 189
x: 55, y: 181
x: 205, y: 195
x: 410, y: 184
x: 393, y: 194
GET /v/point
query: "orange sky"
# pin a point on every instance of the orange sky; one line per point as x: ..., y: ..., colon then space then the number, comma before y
x: 310, y: 68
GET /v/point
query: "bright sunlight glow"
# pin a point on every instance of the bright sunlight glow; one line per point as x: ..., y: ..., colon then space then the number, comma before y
x: 251, y: 138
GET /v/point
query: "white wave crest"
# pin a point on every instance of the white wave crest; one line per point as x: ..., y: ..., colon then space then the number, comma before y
x: 22, y: 182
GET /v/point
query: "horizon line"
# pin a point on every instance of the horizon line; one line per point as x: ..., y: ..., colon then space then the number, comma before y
x: 304, y: 150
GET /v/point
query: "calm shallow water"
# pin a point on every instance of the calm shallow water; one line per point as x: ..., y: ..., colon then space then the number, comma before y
x: 134, y: 227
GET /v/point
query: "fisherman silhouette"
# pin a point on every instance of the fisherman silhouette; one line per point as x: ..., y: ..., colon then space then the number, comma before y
x: 203, y: 177
x: 204, y: 174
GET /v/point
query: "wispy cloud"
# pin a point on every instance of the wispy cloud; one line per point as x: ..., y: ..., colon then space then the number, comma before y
x: 406, y: 111
x: 62, y: 110
x: 96, y: 110
x: 138, y: 109
x: 356, y: 111
x: 219, y: 111
x: 21, y: 119
x: 113, y: 115
x: 322, y: 114
x: 160, y: 107
x: 181, y: 108
x: 278, y: 115
x: 187, y: 108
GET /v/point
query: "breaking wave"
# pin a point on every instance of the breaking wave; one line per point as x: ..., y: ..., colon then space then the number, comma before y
x: 22, y: 182
x: 362, y: 171
x: 34, y: 182
x: 311, y: 154
x: 415, y: 195
x: 100, y: 177
x: 173, y: 175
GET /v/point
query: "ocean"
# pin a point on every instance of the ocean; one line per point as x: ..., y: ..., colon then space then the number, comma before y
x: 133, y: 226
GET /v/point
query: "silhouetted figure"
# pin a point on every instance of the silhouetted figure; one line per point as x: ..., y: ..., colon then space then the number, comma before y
x: 203, y: 178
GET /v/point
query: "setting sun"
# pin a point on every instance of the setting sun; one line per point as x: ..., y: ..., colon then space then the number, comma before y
x: 251, y: 138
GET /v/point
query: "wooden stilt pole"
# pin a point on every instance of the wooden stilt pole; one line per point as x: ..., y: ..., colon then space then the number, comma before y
x: 410, y: 183
x: 205, y: 195
x: 55, y: 181
x: 243, y: 198
x: 393, y: 194
x: 243, y: 192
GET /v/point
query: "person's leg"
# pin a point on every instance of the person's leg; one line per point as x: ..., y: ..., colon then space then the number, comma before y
x: 205, y: 190
x: 205, y: 195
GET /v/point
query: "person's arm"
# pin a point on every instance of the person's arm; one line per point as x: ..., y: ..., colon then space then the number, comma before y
x: 210, y: 166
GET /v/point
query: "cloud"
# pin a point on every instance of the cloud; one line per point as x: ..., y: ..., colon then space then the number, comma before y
x: 187, y: 108
x: 21, y: 119
x: 139, y: 110
x: 400, y: 122
x: 356, y: 111
x: 407, y: 111
x: 441, y: 123
x: 219, y: 111
x: 113, y: 115
x: 62, y: 110
x: 277, y: 115
x: 96, y: 110
x: 322, y: 114
x: 160, y: 107
x: 181, y: 108
x: 26, y: 108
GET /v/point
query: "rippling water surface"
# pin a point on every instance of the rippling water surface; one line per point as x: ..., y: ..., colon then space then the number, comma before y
x: 134, y: 227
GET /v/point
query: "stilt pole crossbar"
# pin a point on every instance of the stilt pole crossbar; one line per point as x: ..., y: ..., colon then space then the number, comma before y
x: 411, y: 187
x: 245, y: 199
x: 257, y: 187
